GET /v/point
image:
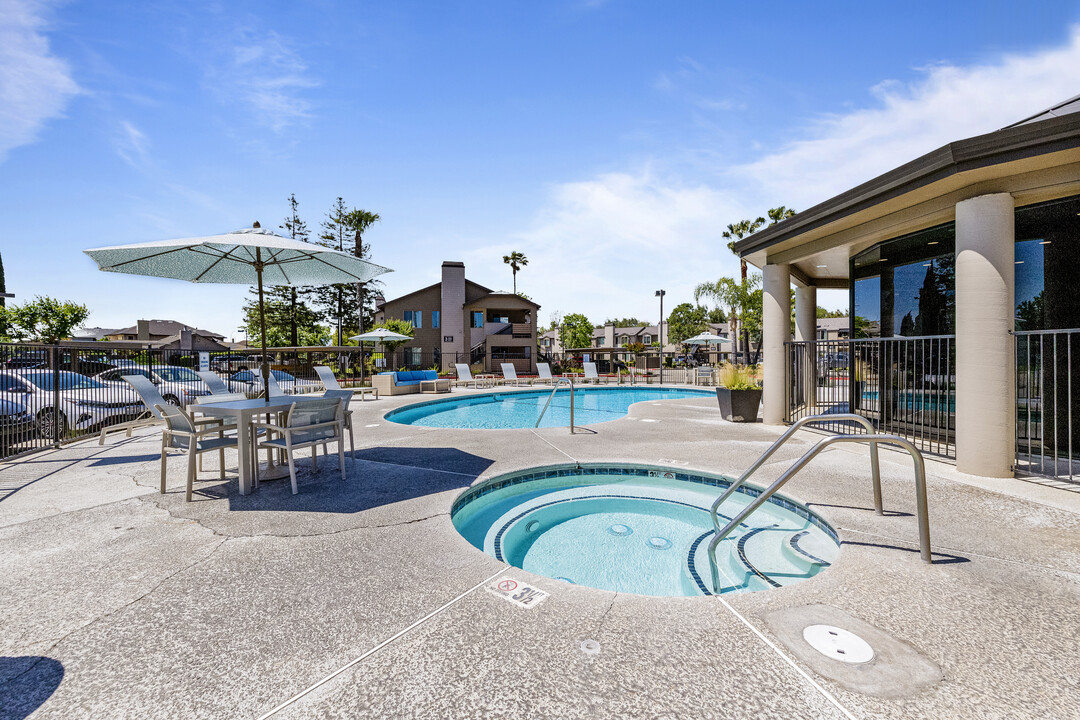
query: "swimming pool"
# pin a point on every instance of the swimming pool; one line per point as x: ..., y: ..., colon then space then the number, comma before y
x: 640, y: 529
x: 504, y: 410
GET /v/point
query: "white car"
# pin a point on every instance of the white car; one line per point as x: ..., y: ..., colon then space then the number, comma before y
x: 178, y: 385
x: 250, y: 382
x: 85, y: 404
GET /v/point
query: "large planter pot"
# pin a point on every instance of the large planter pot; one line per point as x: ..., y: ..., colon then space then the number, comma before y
x: 738, y: 405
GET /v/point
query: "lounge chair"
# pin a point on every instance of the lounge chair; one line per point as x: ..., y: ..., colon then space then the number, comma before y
x: 182, y: 433
x: 464, y: 376
x: 327, y: 376
x: 510, y: 375
x: 543, y: 370
x: 307, y: 424
x: 590, y: 373
x: 151, y: 397
x: 214, y: 382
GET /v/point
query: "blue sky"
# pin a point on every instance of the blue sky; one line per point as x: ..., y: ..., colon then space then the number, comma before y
x: 611, y: 142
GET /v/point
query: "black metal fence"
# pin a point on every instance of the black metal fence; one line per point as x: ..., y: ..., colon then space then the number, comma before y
x: 1047, y: 443
x: 905, y: 385
x: 50, y: 394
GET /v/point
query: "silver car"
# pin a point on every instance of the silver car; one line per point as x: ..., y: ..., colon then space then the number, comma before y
x: 250, y: 382
x: 178, y: 385
x: 76, y: 403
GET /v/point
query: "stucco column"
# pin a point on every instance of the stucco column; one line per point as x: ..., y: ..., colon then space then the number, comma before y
x: 806, y: 331
x: 985, y: 366
x: 775, y: 331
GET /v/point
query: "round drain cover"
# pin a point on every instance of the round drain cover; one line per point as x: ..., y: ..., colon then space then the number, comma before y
x: 837, y: 643
x: 590, y: 647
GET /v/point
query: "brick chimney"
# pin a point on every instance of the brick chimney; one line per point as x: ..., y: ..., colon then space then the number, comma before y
x: 143, y: 330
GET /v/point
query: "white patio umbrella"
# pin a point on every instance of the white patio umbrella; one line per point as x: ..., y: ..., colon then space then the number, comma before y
x: 379, y: 335
x: 251, y: 256
x: 706, y: 338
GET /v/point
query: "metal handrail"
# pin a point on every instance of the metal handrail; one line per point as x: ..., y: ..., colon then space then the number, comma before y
x: 558, y: 382
x: 874, y: 440
x: 875, y: 470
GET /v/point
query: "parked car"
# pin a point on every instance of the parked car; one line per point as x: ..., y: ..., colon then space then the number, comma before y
x: 178, y: 385
x: 85, y: 403
x: 250, y: 382
x: 16, y: 422
x: 75, y: 361
x: 233, y: 363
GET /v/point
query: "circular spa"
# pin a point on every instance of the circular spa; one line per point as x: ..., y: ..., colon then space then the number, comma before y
x: 520, y: 409
x: 641, y: 529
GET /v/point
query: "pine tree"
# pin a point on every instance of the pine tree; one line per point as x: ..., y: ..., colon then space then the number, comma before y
x: 3, y: 284
x: 348, y: 307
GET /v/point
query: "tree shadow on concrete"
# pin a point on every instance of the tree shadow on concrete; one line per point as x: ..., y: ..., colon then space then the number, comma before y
x: 379, y: 476
x: 26, y: 683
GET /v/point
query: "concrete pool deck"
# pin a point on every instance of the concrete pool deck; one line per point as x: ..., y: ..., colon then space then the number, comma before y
x: 119, y: 602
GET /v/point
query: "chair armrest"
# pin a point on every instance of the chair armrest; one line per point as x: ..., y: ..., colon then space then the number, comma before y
x: 213, y: 430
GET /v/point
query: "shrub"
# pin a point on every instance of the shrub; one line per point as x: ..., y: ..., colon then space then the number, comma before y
x: 737, y: 377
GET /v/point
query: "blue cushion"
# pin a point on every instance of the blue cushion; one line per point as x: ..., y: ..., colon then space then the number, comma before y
x: 429, y: 375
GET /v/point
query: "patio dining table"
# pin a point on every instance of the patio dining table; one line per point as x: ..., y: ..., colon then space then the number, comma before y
x: 243, y: 412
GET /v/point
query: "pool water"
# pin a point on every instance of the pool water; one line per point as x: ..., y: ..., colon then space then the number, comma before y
x: 641, y: 529
x: 508, y: 410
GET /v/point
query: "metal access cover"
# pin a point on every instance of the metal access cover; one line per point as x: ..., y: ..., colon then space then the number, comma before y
x: 838, y: 644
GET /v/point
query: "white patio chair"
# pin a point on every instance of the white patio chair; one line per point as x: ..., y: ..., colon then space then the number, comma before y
x: 464, y: 376
x: 214, y: 382
x: 307, y: 424
x: 543, y: 370
x: 345, y: 396
x: 327, y: 376
x: 590, y: 373
x: 182, y: 433
x: 272, y: 383
x: 510, y: 375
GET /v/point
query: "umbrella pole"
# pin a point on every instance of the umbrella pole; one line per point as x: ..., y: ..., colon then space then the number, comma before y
x: 262, y: 326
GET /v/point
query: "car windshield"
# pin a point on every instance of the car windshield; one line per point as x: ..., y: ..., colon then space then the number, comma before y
x: 68, y: 381
x: 177, y: 374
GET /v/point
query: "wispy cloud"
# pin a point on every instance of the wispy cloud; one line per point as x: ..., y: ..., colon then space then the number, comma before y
x: 35, y: 85
x: 604, y: 245
x: 948, y: 102
x: 131, y: 144
x: 260, y: 73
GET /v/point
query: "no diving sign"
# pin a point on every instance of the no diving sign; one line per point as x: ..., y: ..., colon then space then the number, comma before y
x: 521, y: 594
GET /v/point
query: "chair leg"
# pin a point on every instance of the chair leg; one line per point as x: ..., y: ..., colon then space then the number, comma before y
x: 315, y: 457
x: 292, y: 464
x: 352, y: 443
x: 341, y: 454
x: 163, y: 461
x: 221, y: 462
x: 190, y: 468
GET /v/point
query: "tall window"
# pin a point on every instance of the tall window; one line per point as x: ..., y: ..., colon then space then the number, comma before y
x: 1047, y: 274
x: 414, y: 356
x: 477, y: 318
x: 435, y: 319
x: 905, y: 286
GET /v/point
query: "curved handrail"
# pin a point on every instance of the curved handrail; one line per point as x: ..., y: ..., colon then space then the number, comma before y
x: 874, y: 440
x: 874, y: 467
x: 558, y: 382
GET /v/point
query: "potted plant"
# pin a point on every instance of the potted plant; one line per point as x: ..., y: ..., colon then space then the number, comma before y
x: 738, y: 393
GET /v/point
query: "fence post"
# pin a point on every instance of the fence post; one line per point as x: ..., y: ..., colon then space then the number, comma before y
x: 54, y: 352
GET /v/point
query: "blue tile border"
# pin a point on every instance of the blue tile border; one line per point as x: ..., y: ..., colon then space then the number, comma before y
x: 592, y: 469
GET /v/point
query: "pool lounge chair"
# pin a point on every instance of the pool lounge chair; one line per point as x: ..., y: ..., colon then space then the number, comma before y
x: 590, y: 373
x: 151, y: 397
x: 327, y: 376
x: 464, y: 376
x: 510, y: 375
x: 214, y: 382
x: 543, y: 370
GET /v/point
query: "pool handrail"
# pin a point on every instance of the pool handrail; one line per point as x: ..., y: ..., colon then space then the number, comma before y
x: 875, y: 470
x: 559, y: 382
x: 874, y: 440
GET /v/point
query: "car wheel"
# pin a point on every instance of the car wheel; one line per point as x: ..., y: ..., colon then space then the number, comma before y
x: 172, y: 400
x: 47, y: 419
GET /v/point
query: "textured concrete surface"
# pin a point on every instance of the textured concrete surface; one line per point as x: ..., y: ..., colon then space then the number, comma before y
x: 118, y: 602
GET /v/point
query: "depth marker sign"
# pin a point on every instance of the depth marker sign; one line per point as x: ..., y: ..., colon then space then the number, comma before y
x: 519, y: 593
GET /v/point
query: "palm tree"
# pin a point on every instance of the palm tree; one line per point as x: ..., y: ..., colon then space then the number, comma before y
x: 516, y: 261
x: 360, y: 221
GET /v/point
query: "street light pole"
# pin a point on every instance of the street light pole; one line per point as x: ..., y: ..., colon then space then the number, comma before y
x: 660, y: 294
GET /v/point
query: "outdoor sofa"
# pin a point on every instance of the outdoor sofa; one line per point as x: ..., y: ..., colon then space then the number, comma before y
x: 401, y: 383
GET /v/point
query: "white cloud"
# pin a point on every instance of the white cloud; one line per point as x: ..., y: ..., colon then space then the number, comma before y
x: 602, y: 247
x: 131, y: 145
x: 264, y: 76
x: 946, y: 103
x: 35, y: 85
